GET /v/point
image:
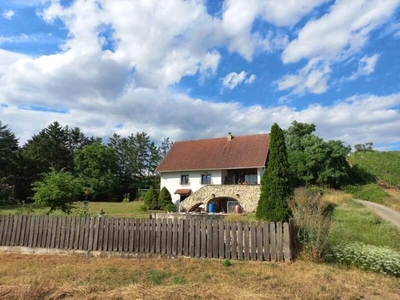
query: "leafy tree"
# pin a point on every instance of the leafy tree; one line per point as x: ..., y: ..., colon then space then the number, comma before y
x: 96, y: 166
x: 164, y: 198
x: 165, y: 147
x: 367, y: 147
x: 58, y: 190
x: 137, y: 159
x: 150, y: 198
x: 276, y: 187
x: 314, y: 161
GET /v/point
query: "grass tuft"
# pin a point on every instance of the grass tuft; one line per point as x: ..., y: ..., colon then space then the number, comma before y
x: 157, y: 277
x: 226, y: 263
x: 179, y: 280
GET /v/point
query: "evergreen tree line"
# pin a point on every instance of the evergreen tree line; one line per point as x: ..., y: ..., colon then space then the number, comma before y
x: 67, y: 161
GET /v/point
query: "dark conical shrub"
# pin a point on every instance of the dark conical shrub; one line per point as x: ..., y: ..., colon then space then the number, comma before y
x: 151, y: 198
x: 276, y: 187
x: 164, y: 198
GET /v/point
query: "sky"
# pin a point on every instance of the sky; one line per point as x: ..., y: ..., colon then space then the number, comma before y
x: 202, y: 68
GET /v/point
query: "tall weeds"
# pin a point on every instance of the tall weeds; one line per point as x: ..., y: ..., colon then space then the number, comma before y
x: 313, y: 220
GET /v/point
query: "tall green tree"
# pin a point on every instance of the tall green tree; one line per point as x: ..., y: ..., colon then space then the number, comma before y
x: 8, y: 148
x: 314, y: 161
x: 26, y: 171
x: 276, y: 186
x: 96, y: 166
x: 137, y: 159
x: 57, y: 190
x: 50, y: 147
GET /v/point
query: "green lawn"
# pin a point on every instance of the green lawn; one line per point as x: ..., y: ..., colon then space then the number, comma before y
x: 115, y: 209
x: 352, y: 222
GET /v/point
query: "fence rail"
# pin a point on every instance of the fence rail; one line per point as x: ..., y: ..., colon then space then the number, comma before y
x: 171, y: 237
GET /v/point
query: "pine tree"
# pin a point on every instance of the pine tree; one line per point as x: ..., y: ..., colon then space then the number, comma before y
x: 164, y: 198
x: 276, y: 187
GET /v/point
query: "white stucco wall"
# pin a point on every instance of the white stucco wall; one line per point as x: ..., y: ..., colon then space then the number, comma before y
x: 172, y: 181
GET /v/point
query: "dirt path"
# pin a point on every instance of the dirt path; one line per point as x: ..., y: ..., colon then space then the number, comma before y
x: 383, y: 211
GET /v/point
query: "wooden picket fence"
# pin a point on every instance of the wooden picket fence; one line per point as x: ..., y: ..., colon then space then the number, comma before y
x: 169, y: 237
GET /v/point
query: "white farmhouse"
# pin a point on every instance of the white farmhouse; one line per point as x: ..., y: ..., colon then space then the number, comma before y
x: 221, y: 171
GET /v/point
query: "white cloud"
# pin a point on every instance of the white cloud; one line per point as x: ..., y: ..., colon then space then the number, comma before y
x: 156, y: 44
x: 251, y: 79
x: 15, y: 39
x: 313, y: 78
x: 343, y: 31
x: 7, y: 58
x: 392, y: 29
x: 233, y: 79
x: 332, y: 38
x: 238, y: 18
x: 8, y: 14
x: 209, y: 65
x: 366, y: 66
x: 354, y: 120
x: 289, y: 12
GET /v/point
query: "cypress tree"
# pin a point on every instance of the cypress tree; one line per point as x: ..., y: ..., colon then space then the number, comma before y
x: 276, y: 187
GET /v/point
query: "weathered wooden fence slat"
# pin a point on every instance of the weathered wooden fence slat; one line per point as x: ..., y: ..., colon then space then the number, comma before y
x: 279, y: 249
x: 227, y: 240
x: 272, y: 240
x: 253, y: 241
x: 189, y: 237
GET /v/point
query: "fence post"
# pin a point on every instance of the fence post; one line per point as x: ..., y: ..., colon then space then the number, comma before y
x: 272, y: 241
x: 286, y: 242
x: 292, y: 237
x: 253, y: 241
x: 279, y: 250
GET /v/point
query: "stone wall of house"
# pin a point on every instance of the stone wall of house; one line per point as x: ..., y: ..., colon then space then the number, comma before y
x: 246, y: 195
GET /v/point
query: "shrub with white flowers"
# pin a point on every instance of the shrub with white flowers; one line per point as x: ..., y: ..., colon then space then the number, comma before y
x: 368, y: 257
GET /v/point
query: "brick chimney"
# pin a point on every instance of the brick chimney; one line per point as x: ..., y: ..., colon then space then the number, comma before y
x: 229, y: 136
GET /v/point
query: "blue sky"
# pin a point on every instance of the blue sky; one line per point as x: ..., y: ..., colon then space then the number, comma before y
x: 196, y: 69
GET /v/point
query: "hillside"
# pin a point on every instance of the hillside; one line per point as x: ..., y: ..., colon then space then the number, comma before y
x: 384, y: 165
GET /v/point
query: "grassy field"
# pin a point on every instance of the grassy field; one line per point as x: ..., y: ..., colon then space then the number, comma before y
x: 59, y: 277
x: 116, y: 209
x: 353, y: 222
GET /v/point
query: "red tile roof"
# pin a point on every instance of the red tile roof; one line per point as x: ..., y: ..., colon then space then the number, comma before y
x: 247, y: 151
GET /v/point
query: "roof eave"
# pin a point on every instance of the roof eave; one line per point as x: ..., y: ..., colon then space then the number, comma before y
x: 209, y: 169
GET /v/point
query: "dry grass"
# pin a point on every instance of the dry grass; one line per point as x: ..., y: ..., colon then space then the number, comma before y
x: 335, y: 196
x: 75, y: 277
x: 393, y: 201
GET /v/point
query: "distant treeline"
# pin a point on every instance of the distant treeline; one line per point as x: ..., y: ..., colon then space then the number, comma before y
x: 106, y: 171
